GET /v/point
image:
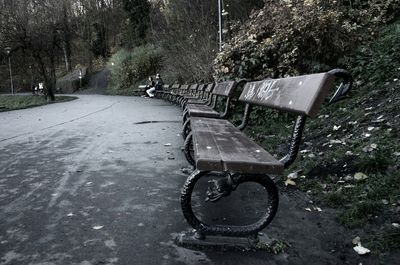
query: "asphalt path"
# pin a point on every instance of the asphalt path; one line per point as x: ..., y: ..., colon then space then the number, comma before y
x: 97, y: 181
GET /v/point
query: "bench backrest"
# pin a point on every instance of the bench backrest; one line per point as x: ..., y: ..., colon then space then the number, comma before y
x: 193, y: 87
x: 175, y: 86
x: 209, y: 88
x: 201, y: 87
x: 301, y: 95
x: 184, y: 87
x: 224, y: 88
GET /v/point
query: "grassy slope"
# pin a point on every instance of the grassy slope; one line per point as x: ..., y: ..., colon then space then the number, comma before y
x: 8, y: 102
x: 357, y: 135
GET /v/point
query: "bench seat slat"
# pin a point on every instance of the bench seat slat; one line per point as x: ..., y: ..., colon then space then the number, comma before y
x: 196, y: 101
x: 197, y: 110
x: 220, y: 146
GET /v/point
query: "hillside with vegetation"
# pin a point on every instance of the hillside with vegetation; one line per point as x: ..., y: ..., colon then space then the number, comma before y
x: 350, y: 156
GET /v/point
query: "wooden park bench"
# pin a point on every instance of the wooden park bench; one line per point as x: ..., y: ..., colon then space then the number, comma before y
x: 224, y: 90
x: 204, y: 99
x: 216, y: 145
x: 169, y: 92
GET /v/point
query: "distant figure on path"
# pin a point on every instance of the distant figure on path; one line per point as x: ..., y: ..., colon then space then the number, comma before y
x: 151, y: 85
x: 159, y: 82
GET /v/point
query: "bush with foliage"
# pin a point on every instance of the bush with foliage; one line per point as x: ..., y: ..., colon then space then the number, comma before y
x: 379, y: 60
x: 301, y: 36
x: 129, y: 67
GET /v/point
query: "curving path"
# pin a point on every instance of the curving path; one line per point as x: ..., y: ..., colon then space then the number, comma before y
x: 91, y: 182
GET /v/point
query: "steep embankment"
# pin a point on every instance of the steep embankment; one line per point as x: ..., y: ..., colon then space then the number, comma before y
x: 350, y: 156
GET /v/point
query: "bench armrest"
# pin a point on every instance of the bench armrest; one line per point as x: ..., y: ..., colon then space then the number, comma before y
x: 344, y: 87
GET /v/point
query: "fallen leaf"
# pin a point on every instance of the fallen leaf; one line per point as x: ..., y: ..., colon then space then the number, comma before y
x: 335, y: 128
x: 308, y: 209
x: 361, y: 250
x: 290, y: 182
x: 396, y: 225
x: 318, y: 209
x: 98, y: 227
x: 360, y: 176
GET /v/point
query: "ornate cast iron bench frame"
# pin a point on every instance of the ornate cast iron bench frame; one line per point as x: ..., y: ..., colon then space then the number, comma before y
x: 242, y: 160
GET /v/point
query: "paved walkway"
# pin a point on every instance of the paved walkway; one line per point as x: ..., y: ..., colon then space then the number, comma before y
x: 95, y: 181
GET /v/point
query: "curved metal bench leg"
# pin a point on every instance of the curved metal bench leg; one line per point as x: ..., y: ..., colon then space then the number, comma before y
x: 183, y: 103
x: 185, y: 116
x: 246, y: 236
x: 188, y: 149
x: 186, y: 129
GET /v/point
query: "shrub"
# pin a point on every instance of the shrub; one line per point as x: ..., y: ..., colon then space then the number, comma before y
x: 129, y: 67
x: 301, y: 36
x: 379, y: 60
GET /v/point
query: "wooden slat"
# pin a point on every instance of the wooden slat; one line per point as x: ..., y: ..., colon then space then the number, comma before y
x: 220, y: 146
x: 196, y: 110
x: 224, y: 88
x: 209, y: 88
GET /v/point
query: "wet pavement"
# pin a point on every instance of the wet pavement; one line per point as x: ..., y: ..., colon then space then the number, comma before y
x: 97, y: 181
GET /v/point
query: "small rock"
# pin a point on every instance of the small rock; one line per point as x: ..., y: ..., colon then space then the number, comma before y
x: 385, y: 202
x: 360, y: 176
x: 171, y: 158
x: 396, y: 153
x: 98, y: 227
x: 167, y: 144
x: 396, y: 225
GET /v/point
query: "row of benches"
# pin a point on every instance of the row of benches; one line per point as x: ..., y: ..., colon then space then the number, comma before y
x: 213, y: 144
